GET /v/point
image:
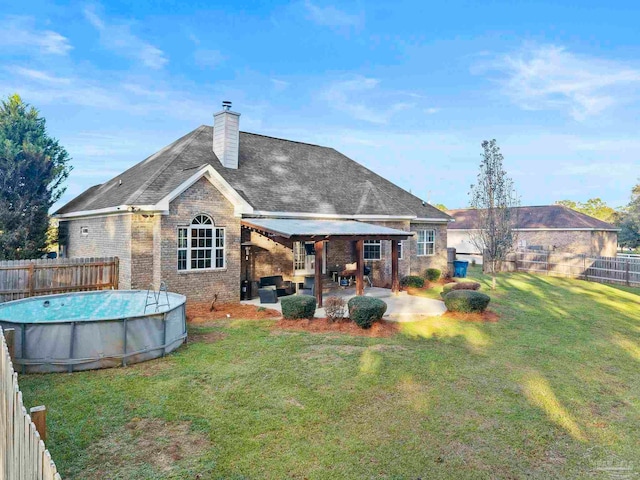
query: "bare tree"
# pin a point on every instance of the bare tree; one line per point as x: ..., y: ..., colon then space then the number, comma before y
x: 495, y: 198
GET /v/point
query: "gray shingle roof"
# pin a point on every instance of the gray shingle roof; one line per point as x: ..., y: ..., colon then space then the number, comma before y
x: 545, y: 216
x: 274, y: 175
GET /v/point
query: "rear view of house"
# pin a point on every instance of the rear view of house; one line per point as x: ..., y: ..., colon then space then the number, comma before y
x: 219, y: 206
x: 547, y: 227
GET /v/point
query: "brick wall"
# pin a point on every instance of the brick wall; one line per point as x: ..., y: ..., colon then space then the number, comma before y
x: 109, y: 236
x: 595, y: 243
x: 439, y: 259
x: 270, y: 257
x: 143, y: 241
x: 201, y: 286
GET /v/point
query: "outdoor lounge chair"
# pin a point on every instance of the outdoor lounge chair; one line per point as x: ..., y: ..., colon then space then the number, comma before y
x: 268, y: 294
x: 283, y: 287
x: 309, y: 286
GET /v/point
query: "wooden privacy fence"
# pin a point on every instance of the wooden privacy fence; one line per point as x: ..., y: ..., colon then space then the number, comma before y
x: 22, y: 453
x: 620, y: 270
x: 28, y: 278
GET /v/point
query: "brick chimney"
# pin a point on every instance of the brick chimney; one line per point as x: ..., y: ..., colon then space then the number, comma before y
x: 226, y: 135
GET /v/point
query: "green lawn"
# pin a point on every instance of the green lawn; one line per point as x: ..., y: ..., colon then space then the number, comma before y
x: 550, y: 391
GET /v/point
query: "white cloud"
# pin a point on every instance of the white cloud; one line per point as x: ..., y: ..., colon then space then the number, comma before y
x: 208, y: 58
x: 20, y: 32
x: 37, y: 75
x: 431, y: 110
x: 330, y: 16
x: 279, y: 85
x: 549, y: 77
x: 119, y: 39
x: 352, y: 97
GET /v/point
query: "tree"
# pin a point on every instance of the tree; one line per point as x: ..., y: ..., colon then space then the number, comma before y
x: 629, y: 222
x: 440, y: 206
x: 594, y: 207
x: 33, y: 167
x: 494, y: 197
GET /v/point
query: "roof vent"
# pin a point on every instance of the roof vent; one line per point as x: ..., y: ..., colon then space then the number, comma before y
x: 226, y: 105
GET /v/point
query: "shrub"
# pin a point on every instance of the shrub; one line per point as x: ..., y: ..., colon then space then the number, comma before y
x: 466, y: 286
x: 412, y: 281
x: 334, y: 308
x: 298, y: 306
x: 432, y: 274
x: 446, y: 288
x: 466, y: 301
x: 366, y: 310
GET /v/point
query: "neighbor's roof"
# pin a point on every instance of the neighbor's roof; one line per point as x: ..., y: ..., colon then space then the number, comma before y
x: 274, y: 175
x: 290, y: 227
x: 541, y: 217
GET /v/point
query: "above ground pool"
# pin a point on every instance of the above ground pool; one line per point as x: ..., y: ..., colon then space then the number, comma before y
x: 87, y: 330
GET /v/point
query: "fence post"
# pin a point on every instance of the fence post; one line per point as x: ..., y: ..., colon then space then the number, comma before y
x: 32, y: 268
x: 547, y: 260
x: 116, y: 272
x: 9, y: 337
x: 626, y: 271
x: 39, y: 419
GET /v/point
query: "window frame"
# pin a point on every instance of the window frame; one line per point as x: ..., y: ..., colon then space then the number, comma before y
x: 425, y: 243
x: 377, y: 243
x: 185, y: 238
x: 400, y: 249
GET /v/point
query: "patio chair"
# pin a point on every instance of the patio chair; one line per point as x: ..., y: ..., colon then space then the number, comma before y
x: 268, y: 294
x: 283, y: 287
x: 309, y: 286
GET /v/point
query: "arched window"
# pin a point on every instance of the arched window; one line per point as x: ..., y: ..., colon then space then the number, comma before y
x: 201, y: 245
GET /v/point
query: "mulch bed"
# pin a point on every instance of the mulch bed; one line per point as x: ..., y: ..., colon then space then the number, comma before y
x: 201, y: 312
x: 322, y: 325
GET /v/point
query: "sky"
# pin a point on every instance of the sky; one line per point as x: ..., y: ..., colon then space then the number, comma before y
x: 409, y: 89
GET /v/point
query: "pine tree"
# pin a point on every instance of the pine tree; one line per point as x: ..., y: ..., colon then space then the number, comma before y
x: 33, y: 167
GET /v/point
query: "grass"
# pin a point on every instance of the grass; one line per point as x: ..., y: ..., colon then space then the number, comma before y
x: 552, y: 390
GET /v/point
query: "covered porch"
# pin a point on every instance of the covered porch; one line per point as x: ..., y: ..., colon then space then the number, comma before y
x: 287, y: 231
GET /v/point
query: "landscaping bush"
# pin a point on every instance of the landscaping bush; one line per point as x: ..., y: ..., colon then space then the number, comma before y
x: 466, y: 286
x: 446, y: 288
x: 298, y: 306
x: 459, y: 286
x: 432, y: 274
x: 466, y: 301
x: 334, y: 308
x: 366, y: 310
x: 412, y: 281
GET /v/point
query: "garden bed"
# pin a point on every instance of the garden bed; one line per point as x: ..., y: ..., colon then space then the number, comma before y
x: 202, y: 313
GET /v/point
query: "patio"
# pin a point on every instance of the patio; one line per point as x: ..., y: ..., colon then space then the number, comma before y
x: 401, y: 307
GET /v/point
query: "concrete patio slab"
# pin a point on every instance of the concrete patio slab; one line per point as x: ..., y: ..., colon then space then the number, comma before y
x: 400, y: 308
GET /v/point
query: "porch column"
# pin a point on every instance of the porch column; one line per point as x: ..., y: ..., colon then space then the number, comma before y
x: 395, y: 284
x: 359, y: 267
x: 319, y: 247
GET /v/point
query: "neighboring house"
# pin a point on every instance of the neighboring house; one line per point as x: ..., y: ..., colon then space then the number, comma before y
x: 547, y: 227
x: 218, y: 206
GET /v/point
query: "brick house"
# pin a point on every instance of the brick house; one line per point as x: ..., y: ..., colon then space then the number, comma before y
x: 547, y: 227
x: 199, y: 215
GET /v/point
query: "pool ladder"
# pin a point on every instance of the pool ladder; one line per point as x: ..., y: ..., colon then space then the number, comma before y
x: 153, y: 296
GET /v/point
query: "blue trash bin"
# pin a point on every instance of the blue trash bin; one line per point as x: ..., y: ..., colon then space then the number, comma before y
x: 460, y: 268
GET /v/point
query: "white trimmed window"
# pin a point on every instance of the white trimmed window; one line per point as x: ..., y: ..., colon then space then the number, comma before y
x: 201, y: 245
x: 372, y: 249
x: 399, y: 249
x: 426, y: 242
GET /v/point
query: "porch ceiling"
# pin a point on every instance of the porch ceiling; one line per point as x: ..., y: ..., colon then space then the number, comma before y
x: 307, y: 229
